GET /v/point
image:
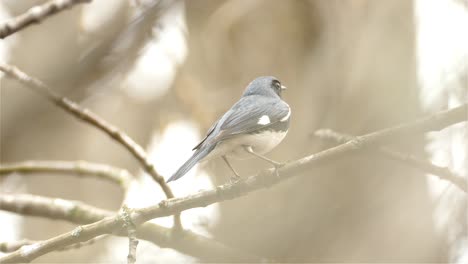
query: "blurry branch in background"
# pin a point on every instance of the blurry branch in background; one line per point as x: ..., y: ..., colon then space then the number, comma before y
x: 93, y: 119
x: 426, y: 166
x: 35, y: 15
x: 119, y: 53
x: 184, y: 241
x: 80, y: 168
x: 228, y: 191
x: 53, y: 208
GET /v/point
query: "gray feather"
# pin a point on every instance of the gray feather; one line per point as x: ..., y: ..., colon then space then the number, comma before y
x: 243, y: 117
x: 210, y: 131
x: 196, y: 157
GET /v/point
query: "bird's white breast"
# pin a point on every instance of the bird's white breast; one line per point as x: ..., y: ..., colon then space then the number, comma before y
x: 261, y: 143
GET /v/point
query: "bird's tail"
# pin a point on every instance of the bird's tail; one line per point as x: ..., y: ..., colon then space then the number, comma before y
x: 196, y: 157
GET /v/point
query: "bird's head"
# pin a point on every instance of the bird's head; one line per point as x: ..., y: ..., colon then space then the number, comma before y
x: 265, y: 85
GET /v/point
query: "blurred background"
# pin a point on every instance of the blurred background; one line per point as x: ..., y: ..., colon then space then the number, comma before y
x: 163, y: 71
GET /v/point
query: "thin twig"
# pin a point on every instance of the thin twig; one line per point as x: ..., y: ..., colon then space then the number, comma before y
x: 93, y: 119
x: 131, y: 231
x: 79, y: 168
x: 184, y: 241
x: 441, y: 172
x: 35, y: 15
x: 229, y: 191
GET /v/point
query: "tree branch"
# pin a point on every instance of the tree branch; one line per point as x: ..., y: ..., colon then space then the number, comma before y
x: 11, y: 246
x: 7, y: 247
x: 441, y: 172
x: 79, y: 168
x: 184, y: 241
x: 228, y: 191
x: 93, y: 119
x: 35, y: 15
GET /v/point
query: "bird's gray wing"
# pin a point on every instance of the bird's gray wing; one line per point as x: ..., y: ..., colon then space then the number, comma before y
x: 210, y: 131
x: 245, y: 116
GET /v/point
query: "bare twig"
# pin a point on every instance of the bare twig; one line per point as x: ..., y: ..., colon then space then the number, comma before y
x: 441, y: 172
x: 79, y: 168
x: 228, y: 191
x: 35, y: 15
x: 93, y: 119
x: 131, y: 231
x: 184, y: 241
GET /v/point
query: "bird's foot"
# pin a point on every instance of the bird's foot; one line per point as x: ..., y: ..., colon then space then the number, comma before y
x: 277, y: 166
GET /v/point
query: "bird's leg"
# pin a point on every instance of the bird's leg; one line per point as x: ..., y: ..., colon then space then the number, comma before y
x: 276, y: 164
x: 233, y: 178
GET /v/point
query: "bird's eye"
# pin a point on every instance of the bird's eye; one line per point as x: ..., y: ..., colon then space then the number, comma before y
x: 277, y: 84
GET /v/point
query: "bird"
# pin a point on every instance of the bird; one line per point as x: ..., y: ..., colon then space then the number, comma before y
x: 253, y: 126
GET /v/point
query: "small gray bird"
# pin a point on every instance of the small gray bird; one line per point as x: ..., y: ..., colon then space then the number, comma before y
x: 253, y: 126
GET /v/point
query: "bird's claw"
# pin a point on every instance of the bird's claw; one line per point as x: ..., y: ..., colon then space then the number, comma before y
x: 277, y: 167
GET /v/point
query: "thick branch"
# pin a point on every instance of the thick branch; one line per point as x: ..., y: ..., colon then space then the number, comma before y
x: 263, y: 179
x: 184, y: 241
x: 35, y: 15
x: 79, y: 168
x: 94, y: 120
x: 441, y: 172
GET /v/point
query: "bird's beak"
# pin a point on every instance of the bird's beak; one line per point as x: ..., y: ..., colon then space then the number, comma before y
x: 283, y: 87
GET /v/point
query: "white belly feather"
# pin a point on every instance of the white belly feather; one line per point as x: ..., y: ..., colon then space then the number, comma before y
x: 261, y: 143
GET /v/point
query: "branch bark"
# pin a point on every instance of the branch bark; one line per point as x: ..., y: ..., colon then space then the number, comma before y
x: 132, y: 237
x: 7, y: 247
x: 93, y: 119
x: 184, y: 241
x: 228, y: 191
x: 443, y: 173
x: 11, y: 246
x: 36, y: 14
